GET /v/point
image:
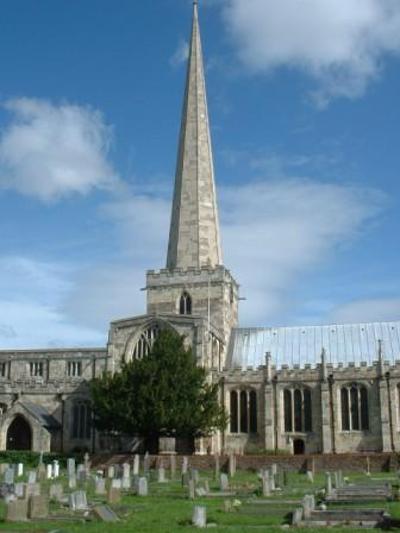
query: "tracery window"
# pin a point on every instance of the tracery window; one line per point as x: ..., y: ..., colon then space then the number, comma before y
x: 243, y: 411
x: 74, y: 369
x: 81, y: 420
x: 36, y: 369
x: 297, y: 410
x: 354, y: 408
x: 146, y: 341
x: 185, y: 304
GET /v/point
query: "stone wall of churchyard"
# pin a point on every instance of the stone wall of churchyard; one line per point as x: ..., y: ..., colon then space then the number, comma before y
x: 378, y: 462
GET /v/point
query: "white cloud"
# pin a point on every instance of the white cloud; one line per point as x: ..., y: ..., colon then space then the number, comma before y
x: 180, y: 55
x: 49, y: 151
x: 274, y: 233
x: 277, y: 232
x: 368, y: 310
x: 340, y: 43
x: 30, y: 316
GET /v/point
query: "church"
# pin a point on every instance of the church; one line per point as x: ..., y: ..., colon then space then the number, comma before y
x: 312, y: 389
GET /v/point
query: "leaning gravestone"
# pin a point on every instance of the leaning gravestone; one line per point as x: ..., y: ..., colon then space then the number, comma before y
x: 38, y: 507
x: 105, y: 514
x: 17, y: 511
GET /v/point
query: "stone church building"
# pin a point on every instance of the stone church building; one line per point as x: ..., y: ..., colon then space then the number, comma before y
x: 318, y: 389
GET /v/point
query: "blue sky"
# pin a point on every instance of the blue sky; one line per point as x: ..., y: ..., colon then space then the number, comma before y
x: 305, y: 125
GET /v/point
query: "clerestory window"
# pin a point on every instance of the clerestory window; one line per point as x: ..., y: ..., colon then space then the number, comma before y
x: 185, y: 304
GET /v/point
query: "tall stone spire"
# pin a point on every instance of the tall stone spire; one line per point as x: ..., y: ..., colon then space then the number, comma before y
x: 194, y: 233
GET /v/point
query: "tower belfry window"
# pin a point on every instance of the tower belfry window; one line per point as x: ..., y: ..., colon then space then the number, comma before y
x: 185, y: 304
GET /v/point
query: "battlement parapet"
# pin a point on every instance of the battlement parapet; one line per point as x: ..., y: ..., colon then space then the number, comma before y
x: 164, y: 276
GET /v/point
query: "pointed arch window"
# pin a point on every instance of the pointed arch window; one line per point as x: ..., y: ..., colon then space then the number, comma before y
x: 81, y: 420
x: 354, y: 408
x: 185, y: 304
x: 243, y: 411
x: 297, y: 410
x: 146, y: 341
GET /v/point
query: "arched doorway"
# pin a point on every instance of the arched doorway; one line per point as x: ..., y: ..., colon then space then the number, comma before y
x: 298, y: 446
x: 19, y: 434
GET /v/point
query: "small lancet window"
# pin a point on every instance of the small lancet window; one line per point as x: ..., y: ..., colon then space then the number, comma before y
x: 185, y: 304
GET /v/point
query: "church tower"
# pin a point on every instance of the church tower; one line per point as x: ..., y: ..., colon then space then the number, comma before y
x: 195, y: 284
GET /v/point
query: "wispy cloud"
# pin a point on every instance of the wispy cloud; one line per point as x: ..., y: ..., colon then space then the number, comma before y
x: 180, y: 55
x: 50, y: 151
x: 339, y: 43
x: 367, y: 310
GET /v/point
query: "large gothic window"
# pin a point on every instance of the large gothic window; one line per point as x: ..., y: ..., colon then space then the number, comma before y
x: 354, y: 408
x: 297, y: 410
x: 81, y: 420
x: 185, y: 304
x: 243, y: 411
x: 146, y: 341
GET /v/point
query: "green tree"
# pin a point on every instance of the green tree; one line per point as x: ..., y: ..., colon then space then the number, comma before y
x: 165, y: 393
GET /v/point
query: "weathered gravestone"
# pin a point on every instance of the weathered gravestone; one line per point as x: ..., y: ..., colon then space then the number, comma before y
x: 32, y: 489
x: 111, y: 471
x: 191, y: 489
x: 20, y: 490
x: 266, y: 490
x: 56, y: 492
x: 223, y: 482
x: 199, y: 518
x: 100, y: 486
x: 78, y: 500
x: 71, y: 466
x: 232, y: 465
x: 136, y: 465
x: 185, y: 465
x: 9, y: 476
x: 49, y: 471
x: 38, y: 507
x: 113, y: 495
x: 310, y: 476
x: 17, y: 511
x: 161, y: 475
x: 328, y: 483
x: 105, y: 514
x: 32, y: 476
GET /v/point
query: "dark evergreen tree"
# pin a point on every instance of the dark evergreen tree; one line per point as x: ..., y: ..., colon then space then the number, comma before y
x: 165, y: 393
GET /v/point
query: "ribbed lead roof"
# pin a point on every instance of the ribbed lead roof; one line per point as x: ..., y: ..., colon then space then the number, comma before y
x: 349, y: 343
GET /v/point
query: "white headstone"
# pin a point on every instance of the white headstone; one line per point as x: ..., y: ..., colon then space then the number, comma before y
x: 185, y: 464
x: 116, y: 483
x: 111, y: 471
x: 199, y: 518
x: 136, y: 465
x: 49, y: 471
x: 56, y: 469
x: 143, y: 487
x: 100, y: 486
x: 223, y: 482
x: 20, y: 469
x: 161, y: 475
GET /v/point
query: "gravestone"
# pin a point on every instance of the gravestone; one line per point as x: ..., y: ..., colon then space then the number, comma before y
x: 81, y: 473
x: 3, y: 468
x: 223, y: 482
x: 56, y: 469
x: 17, y: 511
x: 100, y: 486
x: 185, y: 479
x: 146, y: 463
x: 113, y: 495
x: 78, y: 500
x: 49, y: 471
x: 20, y: 490
x: 172, y: 466
x: 297, y: 516
x: 199, y: 518
x: 41, y: 472
x: 217, y: 468
x: 310, y: 476
x: 32, y: 489
x: 194, y: 474
x: 143, y: 487
x: 232, y: 465
x: 110, y: 471
x: 272, y: 485
x: 126, y: 470
x: 72, y: 482
x: 266, y: 491
x: 161, y: 475
x: 71, y: 466
x: 105, y: 514
x: 126, y: 483
x: 206, y: 486
x: 136, y: 465
x: 38, y: 507
x: 20, y: 469
x: 86, y: 462
x: 185, y: 465
x: 191, y: 489
x: 308, y: 505
x: 56, y: 492
x: 116, y: 484
x: 274, y: 469
x: 9, y: 476
x: 328, y: 483
x: 32, y: 476
x: 368, y: 466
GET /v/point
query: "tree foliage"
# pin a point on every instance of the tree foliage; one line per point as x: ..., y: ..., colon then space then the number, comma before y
x: 165, y: 393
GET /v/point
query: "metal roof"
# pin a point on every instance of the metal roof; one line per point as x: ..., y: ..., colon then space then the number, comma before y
x: 349, y: 343
x: 42, y: 415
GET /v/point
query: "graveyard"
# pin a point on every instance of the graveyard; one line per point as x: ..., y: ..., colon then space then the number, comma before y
x: 164, y: 494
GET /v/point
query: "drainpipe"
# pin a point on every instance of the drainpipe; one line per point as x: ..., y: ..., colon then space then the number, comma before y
x: 274, y: 386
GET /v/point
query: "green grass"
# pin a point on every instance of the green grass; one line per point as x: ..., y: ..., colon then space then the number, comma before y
x: 168, y: 509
